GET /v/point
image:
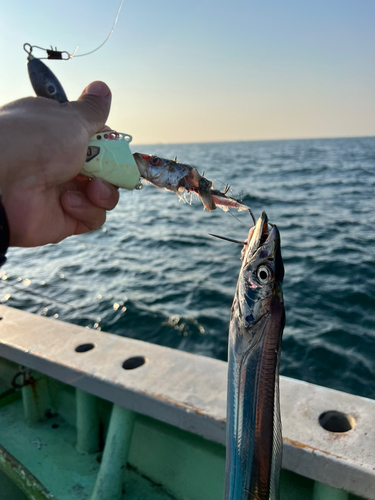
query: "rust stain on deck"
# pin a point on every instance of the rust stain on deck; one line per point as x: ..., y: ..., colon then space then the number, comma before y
x: 297, y: 444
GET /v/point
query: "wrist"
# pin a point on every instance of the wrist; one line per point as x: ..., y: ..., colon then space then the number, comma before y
x: 4, y: 233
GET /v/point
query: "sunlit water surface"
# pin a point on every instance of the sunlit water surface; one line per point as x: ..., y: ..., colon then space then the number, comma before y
x: 154, y: 273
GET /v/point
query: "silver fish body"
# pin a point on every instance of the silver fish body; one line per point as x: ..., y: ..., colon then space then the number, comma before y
x: 254, y: 441
x: 179, y: 177
x: 168, y: 174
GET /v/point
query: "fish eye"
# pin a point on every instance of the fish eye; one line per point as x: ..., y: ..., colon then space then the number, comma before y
x: 264, y: 274
x: 155, y: 161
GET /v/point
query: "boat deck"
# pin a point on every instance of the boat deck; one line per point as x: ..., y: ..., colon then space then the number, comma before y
x: 48, y: 451
x: 89, y: 390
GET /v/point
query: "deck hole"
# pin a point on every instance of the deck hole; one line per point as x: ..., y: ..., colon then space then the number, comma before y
x: 336, y: 421
x: 85, y: 347
x: 1, y: 318
x: 50, y: 414
x: 134, y: 362
x: 55, y: 426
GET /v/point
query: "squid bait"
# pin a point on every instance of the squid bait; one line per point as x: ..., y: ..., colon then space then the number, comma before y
x: 180, y: 177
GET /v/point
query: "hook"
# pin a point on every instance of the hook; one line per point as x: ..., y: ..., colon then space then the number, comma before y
x: 229, y: 239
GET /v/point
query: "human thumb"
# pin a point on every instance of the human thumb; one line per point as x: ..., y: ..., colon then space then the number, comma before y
x: 93, y: 106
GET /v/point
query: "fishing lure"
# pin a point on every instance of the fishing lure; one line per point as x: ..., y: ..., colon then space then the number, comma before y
x: 108, y: 154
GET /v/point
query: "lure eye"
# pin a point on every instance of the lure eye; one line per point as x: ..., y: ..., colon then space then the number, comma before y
x: 51, y: 89
x: 155, y: 161
x: 264, y: 274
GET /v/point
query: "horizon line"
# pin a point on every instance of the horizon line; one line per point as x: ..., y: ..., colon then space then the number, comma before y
x: 255, y: 140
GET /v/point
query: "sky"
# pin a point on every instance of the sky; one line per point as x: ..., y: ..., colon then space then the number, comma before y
x: 207, y: 71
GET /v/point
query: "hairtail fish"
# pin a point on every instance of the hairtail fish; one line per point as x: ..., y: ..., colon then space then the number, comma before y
x: 254, y: 441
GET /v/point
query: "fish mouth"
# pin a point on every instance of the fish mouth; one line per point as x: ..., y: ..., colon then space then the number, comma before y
x: 262, y: 233
x: 141, y: 162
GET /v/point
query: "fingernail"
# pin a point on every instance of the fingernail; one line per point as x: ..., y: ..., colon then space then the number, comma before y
x: 99, y: 89
x: 105, y: 191
x: 75, y: 198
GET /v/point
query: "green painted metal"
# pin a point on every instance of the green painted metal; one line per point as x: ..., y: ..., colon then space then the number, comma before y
x: 325, y: 492
x: 109, y: 482
x: 30, y: 405
x: 9, y: 490
x: 9, y: 396
x: 173, y: 457
x: 48, y: 451
x: 22, y: 477
x: 295, y: 487
x: 164, y: 462
x: 87, y: 422
x: 36, y: 397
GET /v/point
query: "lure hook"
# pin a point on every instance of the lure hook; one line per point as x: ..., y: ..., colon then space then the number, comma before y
x: 252, y: 215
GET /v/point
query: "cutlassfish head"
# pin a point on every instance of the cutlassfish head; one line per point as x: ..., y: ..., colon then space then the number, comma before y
x: 261, y: 274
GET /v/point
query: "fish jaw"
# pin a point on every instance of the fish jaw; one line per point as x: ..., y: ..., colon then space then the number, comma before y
x: 142, y: 162
x: 254, y: 238
x: 261, y: 274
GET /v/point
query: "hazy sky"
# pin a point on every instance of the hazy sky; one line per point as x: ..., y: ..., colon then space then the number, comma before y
x: 208, y: 70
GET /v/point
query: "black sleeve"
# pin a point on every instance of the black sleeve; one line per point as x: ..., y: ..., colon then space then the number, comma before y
x: 4, y: 234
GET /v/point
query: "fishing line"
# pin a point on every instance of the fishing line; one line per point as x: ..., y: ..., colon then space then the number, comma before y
x: 48, y: 299
x: 64, y: 55
x: 239, y: 220
x: 40, y: 295
x: 105, y: 41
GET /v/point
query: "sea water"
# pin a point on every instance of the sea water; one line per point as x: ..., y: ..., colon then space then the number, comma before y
x: 154, y: 273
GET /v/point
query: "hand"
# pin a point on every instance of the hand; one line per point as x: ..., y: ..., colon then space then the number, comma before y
x: 43, y: 147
